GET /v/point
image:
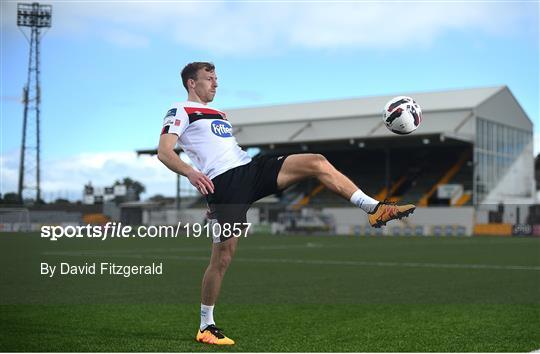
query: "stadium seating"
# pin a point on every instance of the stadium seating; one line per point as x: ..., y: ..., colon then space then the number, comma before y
x: 414, y: 174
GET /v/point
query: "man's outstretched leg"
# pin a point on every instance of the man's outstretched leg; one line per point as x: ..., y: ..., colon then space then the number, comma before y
x: 300, y: 166
x: 222, y: 254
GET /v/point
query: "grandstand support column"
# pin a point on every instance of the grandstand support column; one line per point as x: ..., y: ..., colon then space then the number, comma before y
x: 387, y: 172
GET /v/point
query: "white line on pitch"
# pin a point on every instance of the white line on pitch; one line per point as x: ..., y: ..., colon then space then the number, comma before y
x: 308, y: 245
x: 314, y: 261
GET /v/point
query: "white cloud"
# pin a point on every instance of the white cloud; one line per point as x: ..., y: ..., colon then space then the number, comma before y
x: 126, y: 39
x: 66, y: 177
x: 267, y: 28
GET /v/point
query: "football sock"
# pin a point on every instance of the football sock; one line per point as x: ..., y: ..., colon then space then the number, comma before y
x: 363, y: 201
x: 207, y: 316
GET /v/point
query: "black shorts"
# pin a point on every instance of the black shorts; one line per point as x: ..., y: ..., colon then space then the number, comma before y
x: 236, y: 189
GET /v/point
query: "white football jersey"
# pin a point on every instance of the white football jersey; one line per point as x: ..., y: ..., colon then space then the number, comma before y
x: 206, y: 136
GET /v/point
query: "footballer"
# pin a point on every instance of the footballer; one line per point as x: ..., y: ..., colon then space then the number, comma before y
x: 231, y: 180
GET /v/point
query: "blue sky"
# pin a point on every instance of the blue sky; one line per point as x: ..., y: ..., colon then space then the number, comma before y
x: 110, y: 69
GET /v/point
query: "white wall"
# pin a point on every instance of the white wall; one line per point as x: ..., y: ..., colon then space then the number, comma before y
x: 347, y: 218
x: 509, y: 216
x: 191, y: 216
x: 517, y: 186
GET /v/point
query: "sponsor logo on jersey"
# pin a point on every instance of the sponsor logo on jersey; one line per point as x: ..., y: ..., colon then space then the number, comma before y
x: 221, y: 128
x: 169, y: 122
x: 171, y: 112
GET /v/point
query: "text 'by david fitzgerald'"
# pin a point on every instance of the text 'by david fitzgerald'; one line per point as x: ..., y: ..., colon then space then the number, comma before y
x: 101, y: 268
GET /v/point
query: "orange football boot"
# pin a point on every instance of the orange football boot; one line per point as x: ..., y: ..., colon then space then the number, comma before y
x: 212, y: 335
x: 384, y: 212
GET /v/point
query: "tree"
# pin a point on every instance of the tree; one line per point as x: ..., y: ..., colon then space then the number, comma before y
x: 11, y: 199
x: 157, y: 198
x: 62, y: 201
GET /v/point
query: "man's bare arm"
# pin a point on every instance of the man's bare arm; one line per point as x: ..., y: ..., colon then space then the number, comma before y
x: 169, y: 158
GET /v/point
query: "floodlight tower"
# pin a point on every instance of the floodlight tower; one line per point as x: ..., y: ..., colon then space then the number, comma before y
x: 36, y: 17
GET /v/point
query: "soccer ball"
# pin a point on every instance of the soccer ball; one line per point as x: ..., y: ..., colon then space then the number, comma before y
x: 402, y: 115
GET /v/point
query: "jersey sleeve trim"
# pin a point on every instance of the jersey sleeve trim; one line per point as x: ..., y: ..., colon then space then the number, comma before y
x: 165, y: 130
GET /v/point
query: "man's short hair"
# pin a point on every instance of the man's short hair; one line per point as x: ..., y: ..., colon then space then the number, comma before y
x: 190, y: 71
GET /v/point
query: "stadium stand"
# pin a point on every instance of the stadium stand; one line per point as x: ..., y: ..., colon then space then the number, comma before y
x: 472, y: 151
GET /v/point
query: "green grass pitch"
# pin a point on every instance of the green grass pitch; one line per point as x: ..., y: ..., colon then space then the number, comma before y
x: 282, y: 293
